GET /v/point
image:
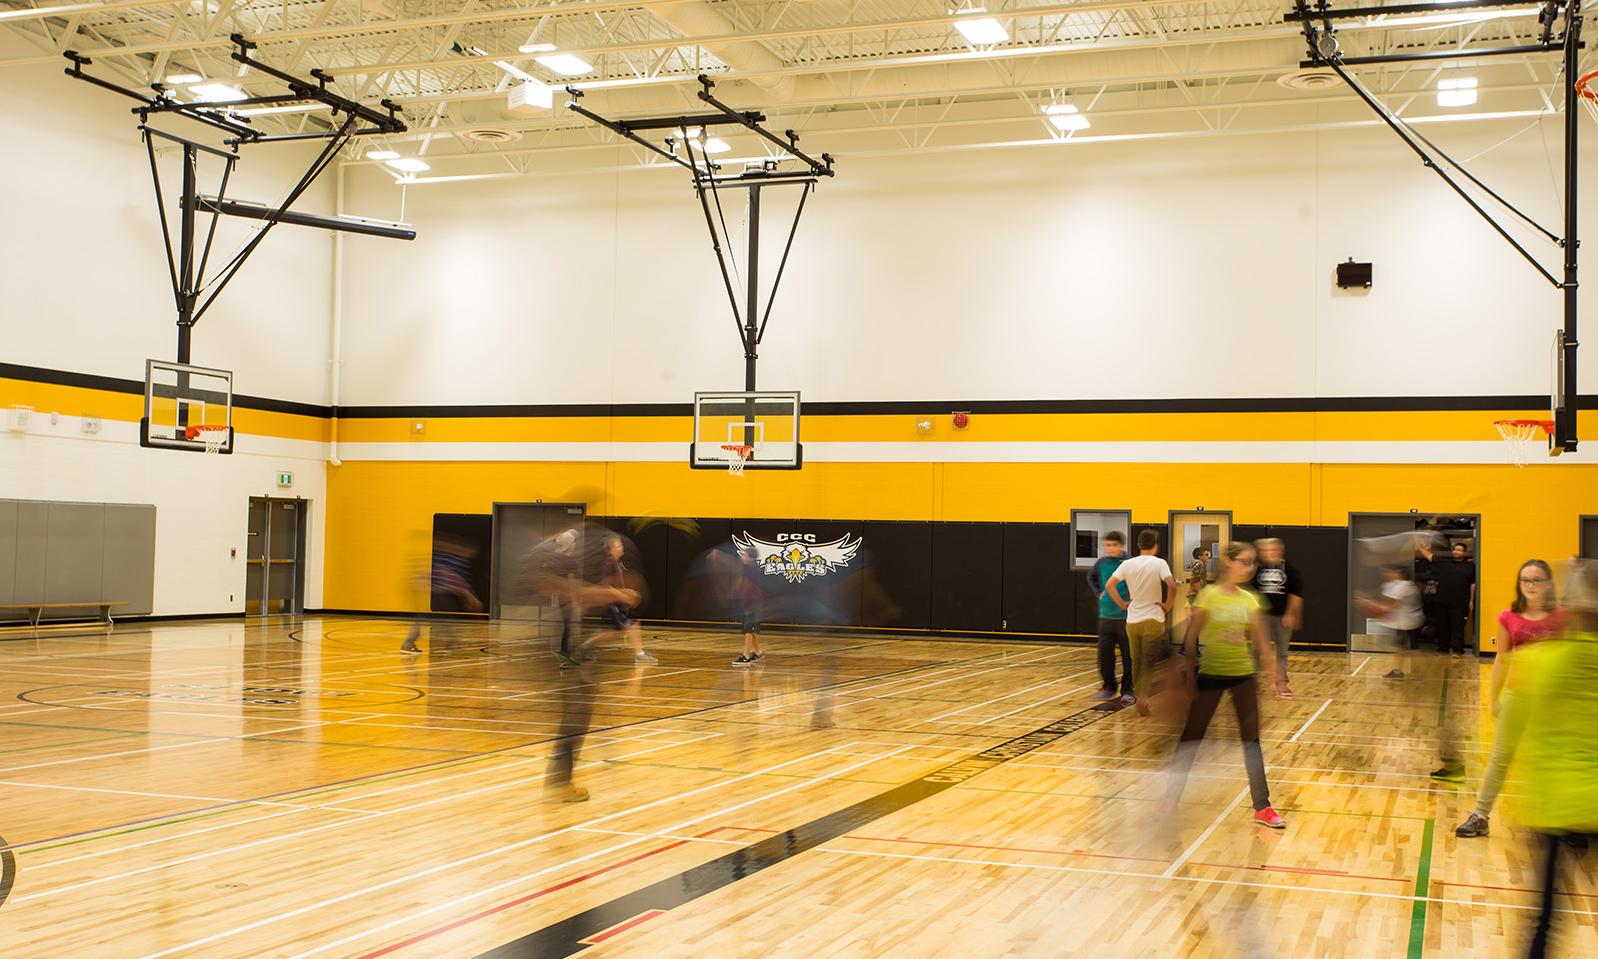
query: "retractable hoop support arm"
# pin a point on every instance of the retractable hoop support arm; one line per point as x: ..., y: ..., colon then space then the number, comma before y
x: 709, y: 181
x: 1320, y: 33
x: 186, y: 263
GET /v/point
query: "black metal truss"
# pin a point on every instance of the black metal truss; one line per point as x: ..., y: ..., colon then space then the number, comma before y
x: 709, y: 181
x: 186, y: 265
x: 1320, y: 33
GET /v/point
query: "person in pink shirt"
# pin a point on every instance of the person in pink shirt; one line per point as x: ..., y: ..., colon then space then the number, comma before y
x: 1534, y: 615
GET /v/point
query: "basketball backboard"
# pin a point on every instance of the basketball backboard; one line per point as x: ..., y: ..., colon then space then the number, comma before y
x: 766, y: 422
x: 181, y: 402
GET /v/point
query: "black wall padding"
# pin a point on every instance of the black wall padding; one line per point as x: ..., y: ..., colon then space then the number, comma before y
x: 474, y: 532
x: 1039, y: 589
x: 968, y: 576
x: 896, y: 579
x: 1320, y: 554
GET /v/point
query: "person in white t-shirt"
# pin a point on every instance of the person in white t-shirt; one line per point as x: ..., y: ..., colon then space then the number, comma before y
x: 1398, y: 608
x: 1152, y: 589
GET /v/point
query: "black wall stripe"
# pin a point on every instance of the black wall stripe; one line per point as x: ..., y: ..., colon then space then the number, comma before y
x: 565, y: 937
x: 1289, y: 404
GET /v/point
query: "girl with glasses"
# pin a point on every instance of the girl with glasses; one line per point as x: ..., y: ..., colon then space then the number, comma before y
x: 1534, y: 615
x: 1227, y: 617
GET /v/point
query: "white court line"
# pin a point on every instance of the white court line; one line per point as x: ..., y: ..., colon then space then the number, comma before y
x: 1000, y: 699
x: 117, y: 792
x: 938, y: 669
x: 337, y: 804
x: 1362, y: 665
x: 1187, y: 853
x: 941, y: 682
x: 509, y: 847
x: 1315, y: 716
x: 461, y: 900
x: 291, y: 835
x: 1197, y: 880
x: 156, y: 749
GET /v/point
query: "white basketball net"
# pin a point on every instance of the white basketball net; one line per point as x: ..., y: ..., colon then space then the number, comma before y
x: 1521, y: 436
x: 735, y: 462
x: 214, y: 438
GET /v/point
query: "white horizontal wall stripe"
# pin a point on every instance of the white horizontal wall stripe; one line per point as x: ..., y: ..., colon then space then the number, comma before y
x: 1486, y: 452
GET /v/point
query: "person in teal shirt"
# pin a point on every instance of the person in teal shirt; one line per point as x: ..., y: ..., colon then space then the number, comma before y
x: 1226, y: 619
x: 1112, y: 619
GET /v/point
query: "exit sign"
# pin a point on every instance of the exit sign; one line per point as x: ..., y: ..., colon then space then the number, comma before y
x: 285, y: 479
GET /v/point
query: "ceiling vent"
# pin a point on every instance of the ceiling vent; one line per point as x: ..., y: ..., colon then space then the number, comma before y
x: 1310, y: 78
x: 492, y: 135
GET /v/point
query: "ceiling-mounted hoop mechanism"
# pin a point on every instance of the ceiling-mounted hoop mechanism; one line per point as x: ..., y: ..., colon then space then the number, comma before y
x: 186, y: 260
x: 710, y: 178
x: 1319, y: 20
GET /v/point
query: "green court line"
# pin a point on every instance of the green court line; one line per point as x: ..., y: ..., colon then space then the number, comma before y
x: 65, y: 745
x: 123, y: 832
x: 1423, y: 882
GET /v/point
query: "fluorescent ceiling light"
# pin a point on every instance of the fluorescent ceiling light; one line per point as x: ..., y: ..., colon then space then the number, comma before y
x: 216, y: 93
x: 1456, y: 92
x: 410, y: 165
x: 382, y: 154
x: 716, y: 145
x: 536, y: 47
x: 183, y: 79
x: 291, y: 108
x: 980, y: 31
x: 1064, y: 116
x: 567, y: 64
x: 1447, y: 19
x: 514, y: 70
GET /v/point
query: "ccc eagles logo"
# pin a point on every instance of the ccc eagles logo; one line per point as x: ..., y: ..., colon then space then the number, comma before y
x: 797, y: 556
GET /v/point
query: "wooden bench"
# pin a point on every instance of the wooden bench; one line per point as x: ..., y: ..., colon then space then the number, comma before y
x: 36, y: 610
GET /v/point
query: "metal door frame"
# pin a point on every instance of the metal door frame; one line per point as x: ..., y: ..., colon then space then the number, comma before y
x: 1581, y: 523
x: 1131, y: 545
x: 300, y: 531
x: 493, y: 545
x: 1348, y: 604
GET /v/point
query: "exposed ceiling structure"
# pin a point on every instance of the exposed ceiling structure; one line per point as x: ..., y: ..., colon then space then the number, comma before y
x: 869, y: 77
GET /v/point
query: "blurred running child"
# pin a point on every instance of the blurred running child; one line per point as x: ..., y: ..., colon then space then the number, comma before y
x: 1112, y: 619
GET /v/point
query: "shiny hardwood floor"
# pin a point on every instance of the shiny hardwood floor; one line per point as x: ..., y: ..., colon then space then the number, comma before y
x: 303, y: 788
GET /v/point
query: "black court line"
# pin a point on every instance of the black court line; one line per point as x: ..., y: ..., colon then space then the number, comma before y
x: 8, y: 870
x: 566, y: 937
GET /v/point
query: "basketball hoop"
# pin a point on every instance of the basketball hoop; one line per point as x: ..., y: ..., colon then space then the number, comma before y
x: 214, y: 437
x: 740, y: 454
x: 1521, y: 437
x: 1589, y: 97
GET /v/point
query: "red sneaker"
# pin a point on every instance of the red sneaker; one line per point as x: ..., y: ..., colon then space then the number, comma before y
x: 1268, y: 817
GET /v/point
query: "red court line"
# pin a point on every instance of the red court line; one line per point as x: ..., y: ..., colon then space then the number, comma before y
x: 536, y: 894
x: 1100, y: 855
x: 1305, y: 871
x: 622, y: 927
x: 1534, y: 892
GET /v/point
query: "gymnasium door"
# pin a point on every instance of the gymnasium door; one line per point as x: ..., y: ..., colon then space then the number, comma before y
x: 1589, y: 537
x: 1376, y: 540
x: 274, y: 580
x: 1203, y: 530
x: 518, y: 527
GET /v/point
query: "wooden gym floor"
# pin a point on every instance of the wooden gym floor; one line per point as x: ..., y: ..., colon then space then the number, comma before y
x: 303, y: 789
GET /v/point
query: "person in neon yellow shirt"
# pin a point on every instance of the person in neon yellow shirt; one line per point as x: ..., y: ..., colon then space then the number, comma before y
x: 1226, y: 618
x: 1557, y: 678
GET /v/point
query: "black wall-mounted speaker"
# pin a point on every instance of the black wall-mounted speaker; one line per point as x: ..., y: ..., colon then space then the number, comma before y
x: 1352, y: 275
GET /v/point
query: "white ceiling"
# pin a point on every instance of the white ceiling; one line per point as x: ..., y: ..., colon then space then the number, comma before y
x: 853, y: 78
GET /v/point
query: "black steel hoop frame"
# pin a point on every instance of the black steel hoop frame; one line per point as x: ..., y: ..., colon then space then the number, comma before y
x: 1320, y: 33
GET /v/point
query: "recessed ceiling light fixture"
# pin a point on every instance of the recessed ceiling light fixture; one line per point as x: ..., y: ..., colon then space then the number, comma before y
x: 1066, y: 117
x: 979, y: 31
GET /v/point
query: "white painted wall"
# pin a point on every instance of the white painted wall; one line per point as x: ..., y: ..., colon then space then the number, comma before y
x: 81, y: 259
x: 201, y: 502
x: 1167, y: 268
x: 85, y: 290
